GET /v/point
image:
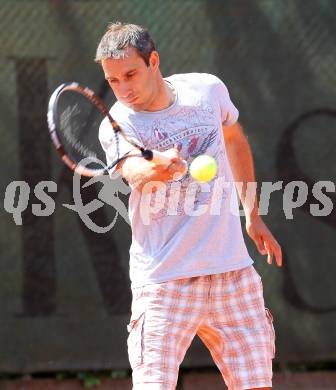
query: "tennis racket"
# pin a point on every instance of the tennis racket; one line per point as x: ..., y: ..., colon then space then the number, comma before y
x: 74, y: 116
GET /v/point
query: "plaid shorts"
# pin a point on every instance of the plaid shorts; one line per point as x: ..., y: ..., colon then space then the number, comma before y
x: 225, y: 310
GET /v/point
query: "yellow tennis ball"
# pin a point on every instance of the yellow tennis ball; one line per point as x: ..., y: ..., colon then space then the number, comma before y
x: 203, y: 168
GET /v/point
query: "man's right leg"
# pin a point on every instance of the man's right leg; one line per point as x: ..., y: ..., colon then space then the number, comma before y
x: 165, y: 318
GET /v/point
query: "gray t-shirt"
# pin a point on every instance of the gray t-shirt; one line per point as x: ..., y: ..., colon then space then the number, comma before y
x: 185, y: 229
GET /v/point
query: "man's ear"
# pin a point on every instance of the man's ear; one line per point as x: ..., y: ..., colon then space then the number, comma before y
x: 154, y: 60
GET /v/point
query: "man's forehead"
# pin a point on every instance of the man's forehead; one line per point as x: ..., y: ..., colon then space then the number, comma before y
x: 130, y: 60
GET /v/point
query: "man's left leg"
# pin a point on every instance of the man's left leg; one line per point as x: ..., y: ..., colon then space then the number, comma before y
x: 238, y: 330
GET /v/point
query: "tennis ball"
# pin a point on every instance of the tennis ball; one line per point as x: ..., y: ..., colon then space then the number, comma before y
x: 203, y: 168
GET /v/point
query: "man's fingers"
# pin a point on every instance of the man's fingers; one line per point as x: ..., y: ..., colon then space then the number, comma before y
x: 173, y: 154
x: 260, y: 245
x: 269, y: 252
x: 178, y: 169
x: 274, y: 250
x: 278, y: 256
x: 264, y: 241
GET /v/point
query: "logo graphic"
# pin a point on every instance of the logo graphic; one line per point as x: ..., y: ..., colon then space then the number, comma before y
x: 107, y: 195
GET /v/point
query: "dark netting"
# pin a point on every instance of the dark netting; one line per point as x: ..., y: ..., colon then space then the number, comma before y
x: 64, y: 294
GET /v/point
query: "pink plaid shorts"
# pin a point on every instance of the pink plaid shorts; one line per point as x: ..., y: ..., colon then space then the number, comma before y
x: 225, y: 310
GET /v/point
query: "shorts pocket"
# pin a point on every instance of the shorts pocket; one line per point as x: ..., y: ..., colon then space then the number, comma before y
x: 270, y: 325
x: 135, y: 339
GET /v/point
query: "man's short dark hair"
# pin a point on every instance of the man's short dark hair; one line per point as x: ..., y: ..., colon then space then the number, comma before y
x: 119, y: 37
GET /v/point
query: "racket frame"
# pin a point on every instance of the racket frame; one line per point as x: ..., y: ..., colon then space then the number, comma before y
x: 82, y: 170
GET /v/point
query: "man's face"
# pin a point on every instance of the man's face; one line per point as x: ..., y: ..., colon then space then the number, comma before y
x: 132, y: 81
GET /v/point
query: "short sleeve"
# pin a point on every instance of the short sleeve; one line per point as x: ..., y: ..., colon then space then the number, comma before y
x: 229, y: 112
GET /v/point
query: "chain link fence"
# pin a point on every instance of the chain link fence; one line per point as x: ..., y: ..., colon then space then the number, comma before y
x: 64, y: 294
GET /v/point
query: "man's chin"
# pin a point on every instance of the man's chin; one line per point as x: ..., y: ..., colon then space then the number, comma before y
x: 135, y: 106
x: 130, y: 103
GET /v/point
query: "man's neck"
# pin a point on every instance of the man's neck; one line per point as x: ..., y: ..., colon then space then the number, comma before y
x: 164, y: 97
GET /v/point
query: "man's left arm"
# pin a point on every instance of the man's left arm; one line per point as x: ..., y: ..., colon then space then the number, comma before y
x: 241, y: 161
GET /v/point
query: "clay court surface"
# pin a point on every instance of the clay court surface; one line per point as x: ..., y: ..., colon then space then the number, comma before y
x: 195, y: 381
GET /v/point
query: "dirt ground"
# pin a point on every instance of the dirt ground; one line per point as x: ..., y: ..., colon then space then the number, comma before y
x: 190, y: 381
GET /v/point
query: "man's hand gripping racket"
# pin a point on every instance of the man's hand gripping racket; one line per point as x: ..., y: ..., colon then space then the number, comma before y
x: 74, y: 116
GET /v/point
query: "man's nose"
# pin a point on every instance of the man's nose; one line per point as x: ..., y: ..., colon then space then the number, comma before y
x: 125, y: 90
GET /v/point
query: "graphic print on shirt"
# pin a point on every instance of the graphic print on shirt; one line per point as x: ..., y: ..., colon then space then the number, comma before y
x: 193, y: 131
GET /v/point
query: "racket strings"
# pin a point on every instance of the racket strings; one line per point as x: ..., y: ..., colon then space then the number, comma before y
x: 77, y: 124
x: 75, y: 114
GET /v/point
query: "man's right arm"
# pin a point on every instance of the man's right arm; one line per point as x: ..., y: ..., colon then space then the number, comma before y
x: 138, y: 171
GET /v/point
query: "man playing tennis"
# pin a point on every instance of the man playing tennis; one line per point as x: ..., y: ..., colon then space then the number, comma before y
x: 189, y: 267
